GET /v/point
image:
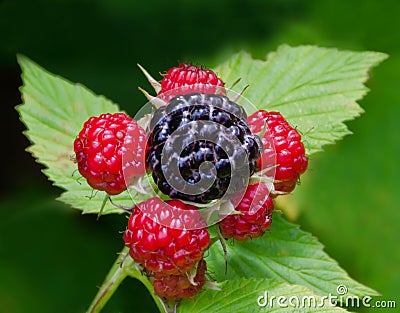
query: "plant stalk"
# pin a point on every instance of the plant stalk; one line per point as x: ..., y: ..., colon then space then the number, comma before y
x: 122, y: 267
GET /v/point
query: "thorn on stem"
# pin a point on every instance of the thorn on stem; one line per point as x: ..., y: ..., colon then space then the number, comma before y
x: 237, y: 97
x: 122, y: 207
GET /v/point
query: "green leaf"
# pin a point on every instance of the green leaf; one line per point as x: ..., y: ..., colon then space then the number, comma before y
x: 243, y: 295
x: 287, y: 254
x: 316, y: 89
x: 54, y: 111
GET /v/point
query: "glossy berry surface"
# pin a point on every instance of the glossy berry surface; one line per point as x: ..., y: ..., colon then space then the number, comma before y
x: 110, y: 151
x: 176, y: 287
x: 256, y: 214
x: 168, y: 237
x: 200, y: 128
x: 188, y: 78
x: 291, y: 160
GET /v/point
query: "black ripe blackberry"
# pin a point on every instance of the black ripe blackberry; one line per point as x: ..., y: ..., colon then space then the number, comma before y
x: 200, y: 148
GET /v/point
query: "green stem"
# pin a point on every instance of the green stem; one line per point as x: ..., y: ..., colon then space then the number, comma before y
x: 119, y: 272
x: 103, y: 205
x: 162, y: 307
x: 115, y: 277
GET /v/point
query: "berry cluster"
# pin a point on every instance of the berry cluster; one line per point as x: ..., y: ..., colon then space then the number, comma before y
x: 168, y: 239
x: 201, y: 148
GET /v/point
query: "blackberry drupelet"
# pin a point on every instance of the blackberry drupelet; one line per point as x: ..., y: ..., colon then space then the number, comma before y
x: 200, y: 148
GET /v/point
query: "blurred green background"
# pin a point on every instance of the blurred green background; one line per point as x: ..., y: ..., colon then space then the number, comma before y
x: 52, y: 258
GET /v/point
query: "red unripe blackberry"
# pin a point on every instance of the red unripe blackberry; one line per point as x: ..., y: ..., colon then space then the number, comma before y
x: 110, y: 152
x: 188, y: 78
x: 291, y: 160
x: 168, y: 237
x: 176, y: 287
x: 256, y: 208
